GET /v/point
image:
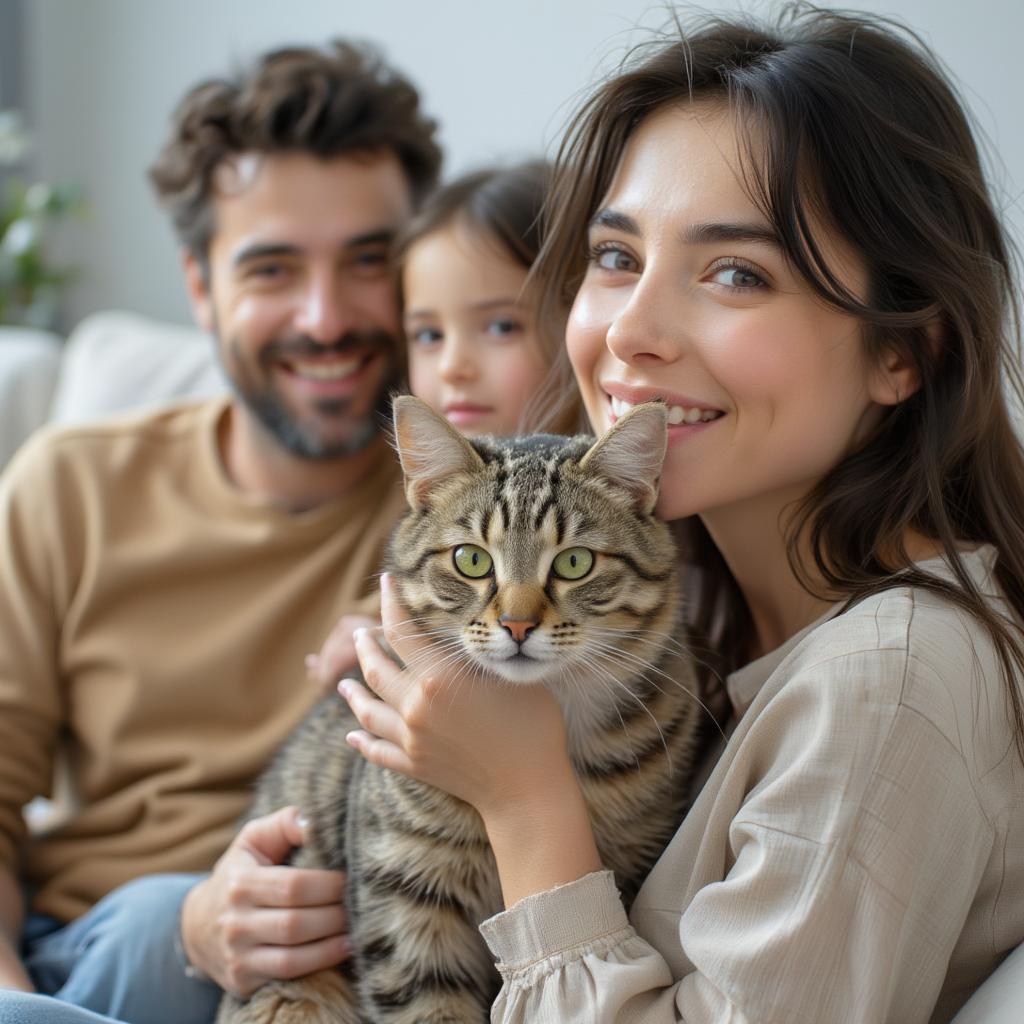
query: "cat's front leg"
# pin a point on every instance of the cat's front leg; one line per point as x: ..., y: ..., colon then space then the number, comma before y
x: 325, y: 997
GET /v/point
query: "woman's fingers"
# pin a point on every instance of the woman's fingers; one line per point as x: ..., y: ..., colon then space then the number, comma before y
x: 380, y: 752
x: 373, y: 714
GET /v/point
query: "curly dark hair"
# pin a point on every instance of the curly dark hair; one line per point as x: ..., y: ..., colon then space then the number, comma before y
x: 342, y: 99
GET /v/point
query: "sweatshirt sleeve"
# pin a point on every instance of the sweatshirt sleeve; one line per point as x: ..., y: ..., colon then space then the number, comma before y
x: 851, y: 858
x: 30, y: 701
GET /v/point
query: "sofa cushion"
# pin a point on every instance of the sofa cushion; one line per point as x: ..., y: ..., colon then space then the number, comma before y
x: 117, y: 360
x: 29, y: 361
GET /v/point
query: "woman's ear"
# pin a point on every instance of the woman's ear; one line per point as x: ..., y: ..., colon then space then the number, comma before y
x: 897, y: 376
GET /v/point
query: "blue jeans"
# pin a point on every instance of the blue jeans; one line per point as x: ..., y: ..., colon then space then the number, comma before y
x: 119, y: 962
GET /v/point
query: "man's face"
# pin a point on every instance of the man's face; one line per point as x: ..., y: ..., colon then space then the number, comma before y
x: 300, y: 294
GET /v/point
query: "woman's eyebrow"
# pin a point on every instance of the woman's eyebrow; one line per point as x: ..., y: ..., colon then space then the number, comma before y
x: 694, y: 234
x: 608, y: 218
x: 704, y: 234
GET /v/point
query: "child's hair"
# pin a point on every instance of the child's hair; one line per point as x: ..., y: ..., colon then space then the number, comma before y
x: 504, y: 206
x: 849, y: 121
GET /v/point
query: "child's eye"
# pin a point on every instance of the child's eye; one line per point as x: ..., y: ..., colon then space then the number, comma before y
x: 612, y: 257
x: 737, y: 276
x: 503, y: 326
x: 424, y: 336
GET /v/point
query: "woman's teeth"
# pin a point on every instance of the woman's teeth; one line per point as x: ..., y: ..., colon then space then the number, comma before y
x: 676, y: 413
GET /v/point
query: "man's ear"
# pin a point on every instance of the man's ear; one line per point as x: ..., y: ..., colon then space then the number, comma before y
x: 197, y: 287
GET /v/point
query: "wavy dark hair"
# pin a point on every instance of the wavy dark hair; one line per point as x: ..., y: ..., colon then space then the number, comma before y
x: 327, y: 103
x: 849, y: 120
x: 504, y: 206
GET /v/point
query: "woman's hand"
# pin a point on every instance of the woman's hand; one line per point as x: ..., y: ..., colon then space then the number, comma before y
x: 479, y: 738
x: 500, y: 747
x: 338, y: 653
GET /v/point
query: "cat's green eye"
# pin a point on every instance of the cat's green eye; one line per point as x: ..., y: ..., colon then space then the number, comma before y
x: 472, y: 561
x: 573, y: 563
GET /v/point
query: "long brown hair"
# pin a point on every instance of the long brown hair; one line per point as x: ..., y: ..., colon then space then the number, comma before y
x: 503, y: 205
x: 849, y: 120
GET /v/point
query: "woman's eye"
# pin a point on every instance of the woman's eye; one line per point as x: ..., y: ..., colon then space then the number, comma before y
x: 613, y: 259
x: 738, y: 277
x: 472, y: 561
x: 503, y: 326
x: 573, y: 563
x: 424, y: 336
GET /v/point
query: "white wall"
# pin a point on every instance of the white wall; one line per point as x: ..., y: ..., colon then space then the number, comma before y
x: 501, y: 77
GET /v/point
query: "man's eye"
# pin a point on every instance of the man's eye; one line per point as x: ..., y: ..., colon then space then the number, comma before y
x: 267, y: 271
x: 371, y: 260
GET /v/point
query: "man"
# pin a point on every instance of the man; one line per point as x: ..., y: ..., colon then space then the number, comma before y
x: 162, y: 577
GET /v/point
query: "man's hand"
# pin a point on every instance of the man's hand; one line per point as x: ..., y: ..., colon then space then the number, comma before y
x: 338, y: 654
x: 254, y: 919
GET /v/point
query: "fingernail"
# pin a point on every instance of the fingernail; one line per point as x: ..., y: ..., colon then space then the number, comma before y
x: 346, y: 947
x: 358, y: 634
x: 345, y: 688
x: 302, y: 821
x: 352, y: 739
x: 385, y: 581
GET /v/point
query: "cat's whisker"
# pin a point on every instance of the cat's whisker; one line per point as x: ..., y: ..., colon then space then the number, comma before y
x: 611, y: 653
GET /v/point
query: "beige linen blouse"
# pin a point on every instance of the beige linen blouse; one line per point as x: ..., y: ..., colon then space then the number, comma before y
x: 856, y: 855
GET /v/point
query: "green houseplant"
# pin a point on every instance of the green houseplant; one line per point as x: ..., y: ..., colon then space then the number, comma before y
x: 31, y: 284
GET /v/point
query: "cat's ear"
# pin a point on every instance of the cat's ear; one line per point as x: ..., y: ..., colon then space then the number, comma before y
x: 430, y: 448
x: 630, y: 454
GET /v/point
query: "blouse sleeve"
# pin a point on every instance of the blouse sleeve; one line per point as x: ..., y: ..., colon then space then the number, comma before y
x: 851, y: 858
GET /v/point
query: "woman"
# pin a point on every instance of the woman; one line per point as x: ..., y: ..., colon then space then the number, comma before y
x: 786, y: 234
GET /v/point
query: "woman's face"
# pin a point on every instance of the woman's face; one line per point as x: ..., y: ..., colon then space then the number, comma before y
x: 688, y: 298
x: 474, y: 354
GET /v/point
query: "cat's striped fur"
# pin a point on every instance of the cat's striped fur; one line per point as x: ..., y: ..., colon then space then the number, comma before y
x: 421, y: 875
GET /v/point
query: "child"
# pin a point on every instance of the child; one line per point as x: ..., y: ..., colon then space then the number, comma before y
x: 478, y: 353
x: 784, y: 234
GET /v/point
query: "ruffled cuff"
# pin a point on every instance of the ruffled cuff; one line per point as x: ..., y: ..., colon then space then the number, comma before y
x: 551, y: 922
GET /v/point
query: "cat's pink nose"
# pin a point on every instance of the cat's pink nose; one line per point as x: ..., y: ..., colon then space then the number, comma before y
x: 519, y: 628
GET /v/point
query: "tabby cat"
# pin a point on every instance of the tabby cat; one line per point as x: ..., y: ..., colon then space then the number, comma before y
x: 540, y: 561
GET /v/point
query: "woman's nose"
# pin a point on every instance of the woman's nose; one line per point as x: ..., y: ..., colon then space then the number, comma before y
x: 649, y: 325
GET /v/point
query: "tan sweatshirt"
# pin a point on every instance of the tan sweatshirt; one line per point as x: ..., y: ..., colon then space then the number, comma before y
x: 153, y: 624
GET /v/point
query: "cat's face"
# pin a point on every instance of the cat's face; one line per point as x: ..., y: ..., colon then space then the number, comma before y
x: 537, y: 560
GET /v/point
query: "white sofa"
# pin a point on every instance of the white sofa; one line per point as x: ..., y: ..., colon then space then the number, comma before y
x: 114, y: 361
x: 110, y: 362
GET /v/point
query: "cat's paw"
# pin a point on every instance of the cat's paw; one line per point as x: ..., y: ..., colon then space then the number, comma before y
x: 322, y: 998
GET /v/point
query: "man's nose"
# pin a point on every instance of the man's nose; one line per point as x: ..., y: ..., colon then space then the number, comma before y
x: 325, y: 310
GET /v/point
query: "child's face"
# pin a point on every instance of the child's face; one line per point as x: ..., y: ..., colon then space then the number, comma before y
x: 689, y: 298
x: 474, y: 355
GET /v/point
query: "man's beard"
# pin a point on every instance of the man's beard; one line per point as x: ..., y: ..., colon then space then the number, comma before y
x: 269, y: 407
